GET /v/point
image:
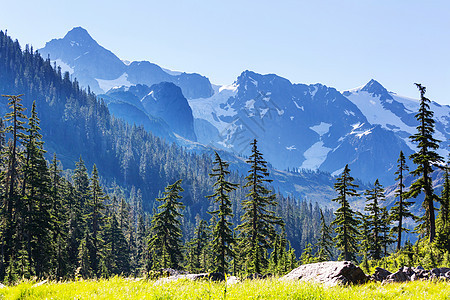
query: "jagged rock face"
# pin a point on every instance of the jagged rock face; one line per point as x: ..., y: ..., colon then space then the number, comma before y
x: 94, y: 66
x: 166, y: 101
x: 302, y: 126
x: 84, y: 58
x: 329, y: 273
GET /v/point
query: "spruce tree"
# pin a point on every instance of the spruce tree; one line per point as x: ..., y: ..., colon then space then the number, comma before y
x: 346, y: 222
x: 95, y: 214
x: 400, y: 211
x: 15, y: 119
x: 425, y: 158
x: 374, y: 197
x: 222, y: 233
x: 258, y: 221
x: 37, y: 212
x: 165, y: 240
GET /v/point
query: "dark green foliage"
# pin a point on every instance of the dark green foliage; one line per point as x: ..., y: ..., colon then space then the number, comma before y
x: 425, y: 158
x: 199, y: 250
x: 222, y: 233
x: 257, y: 229
x: 115, y: 251
x: 94, y: 217
x: 346, y: 223
x: 400, y: 211
x: 165, y: 240
x: 443, y: 221
x: 325, y: 241
x: 374, y: 219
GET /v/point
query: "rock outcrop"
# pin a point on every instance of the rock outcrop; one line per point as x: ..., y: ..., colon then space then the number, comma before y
x: 410, y: 274
x: 329, y: 273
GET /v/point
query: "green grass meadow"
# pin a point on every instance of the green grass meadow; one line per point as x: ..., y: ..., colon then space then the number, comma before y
x: 122, y: 288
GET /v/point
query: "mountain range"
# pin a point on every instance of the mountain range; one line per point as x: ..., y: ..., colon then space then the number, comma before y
x: 298, y: 126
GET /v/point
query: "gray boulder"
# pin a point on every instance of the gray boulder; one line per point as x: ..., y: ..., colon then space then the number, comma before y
x: 329, y: 273
x: 398, y: 276
x: 380, y: 274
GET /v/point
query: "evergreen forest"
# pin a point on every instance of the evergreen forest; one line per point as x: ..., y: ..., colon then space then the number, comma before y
x: 86, y: 195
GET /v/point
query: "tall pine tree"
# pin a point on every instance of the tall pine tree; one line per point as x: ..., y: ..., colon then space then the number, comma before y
x: 400, y: 211
x: 346, y: 222
x: 165, y: 241
x: 374, y: 197
x: 257, y: 229
x: 222, y: 233
x: 425, y: 158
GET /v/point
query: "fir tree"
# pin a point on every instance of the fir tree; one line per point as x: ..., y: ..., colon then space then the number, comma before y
x: 425, y: 158
x: 37, y: 212
x: 95, y: 207
x: 325, y: 241
x: 374, y: 197
x: 115, y: 249
x: 258, y: 221
x: 346, y: 224
x: 222, y: 233
x: 199, y: 251
x: 400, y: 211
x: 165, y: 241
x: 443, y: 221
x: 11, y: 199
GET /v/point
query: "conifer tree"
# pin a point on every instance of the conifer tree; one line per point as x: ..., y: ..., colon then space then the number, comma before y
x: 115, y: 250
x: 60, y: 213
x: 15, y: 120
x: 325, y: 241
x: 37, y: 212
x: 425, y: 158
x: 165, y: 240
x: 443, y: 221
x: 346, y: 223
x: 258, y: 221
x: 374, y: 197
x: 86, y: 252
x: 199, y: 248
x: 222, y: 233
x: 400, y: 211
x: 95, y: 207
x: 385, y: 229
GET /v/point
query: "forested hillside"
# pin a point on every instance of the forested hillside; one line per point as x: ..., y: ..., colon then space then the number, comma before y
x: 132, y: 165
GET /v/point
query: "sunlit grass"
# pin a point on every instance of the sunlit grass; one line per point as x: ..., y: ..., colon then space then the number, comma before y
x: 122, y: 288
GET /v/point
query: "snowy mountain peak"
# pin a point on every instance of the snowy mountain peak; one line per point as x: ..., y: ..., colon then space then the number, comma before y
x: 376, y: 89
x: 79, y: 36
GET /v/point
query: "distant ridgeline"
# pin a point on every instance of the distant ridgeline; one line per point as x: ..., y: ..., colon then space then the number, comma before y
x: 150, y: 204
x: 133, y: 164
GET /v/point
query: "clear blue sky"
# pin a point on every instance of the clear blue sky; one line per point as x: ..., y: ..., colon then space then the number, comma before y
x: 341, y: 43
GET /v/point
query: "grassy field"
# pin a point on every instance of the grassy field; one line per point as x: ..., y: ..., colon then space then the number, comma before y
x: 120, y: 288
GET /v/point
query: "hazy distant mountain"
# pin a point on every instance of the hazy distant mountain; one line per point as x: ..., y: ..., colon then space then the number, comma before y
x: 298, y: 126
x: 94, y: 66
x: 314, y: 126
x: 162, y: 103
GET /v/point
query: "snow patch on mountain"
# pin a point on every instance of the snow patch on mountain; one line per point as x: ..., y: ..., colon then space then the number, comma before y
x: 321, y: 129
x: 372, y: 107
x: 64, y: 67
x: 213, y: 108
x: 106, y: 85
x: 315, y: 156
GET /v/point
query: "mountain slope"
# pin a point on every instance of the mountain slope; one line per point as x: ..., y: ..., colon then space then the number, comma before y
x: 96, y: 67
x: 298, y: 126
